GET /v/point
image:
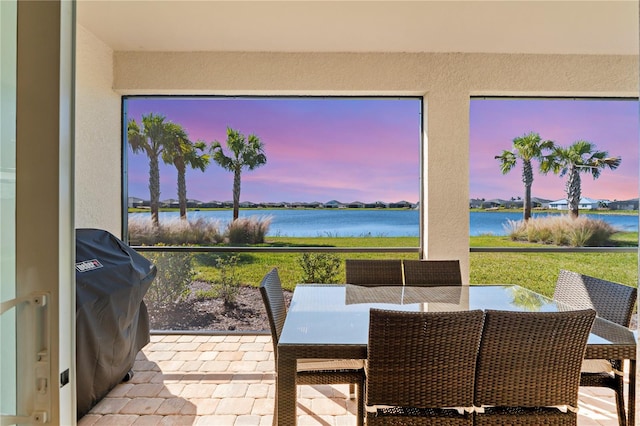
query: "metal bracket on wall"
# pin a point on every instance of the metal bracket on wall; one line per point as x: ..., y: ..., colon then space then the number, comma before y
x: 37, y: 322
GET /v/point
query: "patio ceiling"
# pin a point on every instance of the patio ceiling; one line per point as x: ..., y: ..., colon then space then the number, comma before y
x: 552, y: 27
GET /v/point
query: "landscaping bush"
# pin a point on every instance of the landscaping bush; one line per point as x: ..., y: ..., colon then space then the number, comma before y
x: 562, y: 230
x: 171, y: 285
x: 320, y: 267
x: 227, y: 286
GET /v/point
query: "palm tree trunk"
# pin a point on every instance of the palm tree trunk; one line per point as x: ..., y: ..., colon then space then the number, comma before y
x: 182, y: 188
x: 573, y: 192
x: 236, y: 194
x: 527, y: 179
x: 154, y: 189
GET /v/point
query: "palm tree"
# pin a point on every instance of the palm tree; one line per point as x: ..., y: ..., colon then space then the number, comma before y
x: 579, y: 157
x: 527, y: 148
x: 181, y: 152
x: 245, y: 153
x: 150, y: 140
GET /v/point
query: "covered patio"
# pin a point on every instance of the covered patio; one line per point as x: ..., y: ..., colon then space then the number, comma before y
x: 228, y: 380
x: 443, y: 51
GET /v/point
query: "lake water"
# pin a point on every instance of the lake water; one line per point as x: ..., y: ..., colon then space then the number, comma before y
x: 374, y: 223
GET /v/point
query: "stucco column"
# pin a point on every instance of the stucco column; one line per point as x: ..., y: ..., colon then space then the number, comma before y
x: 446, y: 177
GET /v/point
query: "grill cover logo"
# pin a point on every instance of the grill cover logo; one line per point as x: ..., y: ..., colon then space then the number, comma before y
x: 88, y: 265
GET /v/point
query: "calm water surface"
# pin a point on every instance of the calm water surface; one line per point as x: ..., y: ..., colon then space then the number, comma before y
x: 374, y: 223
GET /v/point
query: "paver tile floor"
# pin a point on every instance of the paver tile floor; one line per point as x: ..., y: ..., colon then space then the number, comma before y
x: 225, y: 380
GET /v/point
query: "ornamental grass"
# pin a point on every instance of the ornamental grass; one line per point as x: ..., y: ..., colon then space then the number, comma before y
x: 174, y: 231
x: 562, y: 230
x: 250, y: 230
x: 201, y: 231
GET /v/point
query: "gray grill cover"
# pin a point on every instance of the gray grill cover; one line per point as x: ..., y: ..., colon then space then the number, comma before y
x: 112, y: 323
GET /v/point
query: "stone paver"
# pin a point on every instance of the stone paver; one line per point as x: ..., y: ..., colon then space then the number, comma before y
x: 229, y: 380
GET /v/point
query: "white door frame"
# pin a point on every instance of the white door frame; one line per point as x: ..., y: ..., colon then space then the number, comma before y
x: 45, y: 240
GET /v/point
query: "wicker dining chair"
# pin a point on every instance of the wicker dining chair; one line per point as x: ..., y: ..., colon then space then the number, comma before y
x: 374, y: 272
x: 611, y: 301
x: 529, y: 365
x: 420, y: 365
x: 431, y: 273
x: 310, y: 371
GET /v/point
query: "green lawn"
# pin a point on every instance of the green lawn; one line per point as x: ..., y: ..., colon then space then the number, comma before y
x: 537, y: 271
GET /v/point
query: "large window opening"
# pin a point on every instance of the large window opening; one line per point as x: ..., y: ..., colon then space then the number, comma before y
x: 583, y: 189
x: 310, y: 167
x: 321, y: 179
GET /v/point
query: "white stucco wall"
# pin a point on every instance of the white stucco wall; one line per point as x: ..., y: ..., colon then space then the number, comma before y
x: 445, y: 80
x: 98, y: 142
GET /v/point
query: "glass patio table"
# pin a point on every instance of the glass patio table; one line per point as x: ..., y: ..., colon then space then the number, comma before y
x: 332, y: 321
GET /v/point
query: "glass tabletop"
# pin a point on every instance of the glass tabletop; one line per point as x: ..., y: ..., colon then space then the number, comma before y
x: 333, y: 314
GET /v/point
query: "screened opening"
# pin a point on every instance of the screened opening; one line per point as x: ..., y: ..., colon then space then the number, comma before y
x: 588, y: 224
x: 330, y: 167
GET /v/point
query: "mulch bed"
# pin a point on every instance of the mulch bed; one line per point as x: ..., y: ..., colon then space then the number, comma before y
x: 248, y: 313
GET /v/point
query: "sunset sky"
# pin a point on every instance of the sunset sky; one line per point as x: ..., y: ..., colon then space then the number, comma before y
x: 320, y: 149
x: 612, y: 125
x: 317, y: 149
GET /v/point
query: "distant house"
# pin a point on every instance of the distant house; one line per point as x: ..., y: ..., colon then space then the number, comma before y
x: 169, y: 202
x: 624, y: 205
x: 376, y: 205
x: 213, y: 204
x: 356, y: 205
x: 514, y: 204
x: 135, y: 202
x: 280, y: 204
x: 494, y: 203
x: 585, y: 204
x: 334, y: 204
x: 401, y: 205
x: 194, y: 203
x: 475, y: 203
x: 540, y: 203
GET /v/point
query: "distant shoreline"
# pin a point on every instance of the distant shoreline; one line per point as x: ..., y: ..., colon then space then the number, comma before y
x: 205, y: 209
x: 555, y: 211
x: 533, y: 211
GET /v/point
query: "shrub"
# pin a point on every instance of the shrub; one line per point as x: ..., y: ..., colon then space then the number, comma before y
x: 171, y: 285
x: 227, y: 285
x: 320, y: 267
x: 562, y: 230
x: 250, y: 230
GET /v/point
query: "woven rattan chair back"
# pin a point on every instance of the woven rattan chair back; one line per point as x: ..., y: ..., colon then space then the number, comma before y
x: 529, y: 361
x: 612, y: 301
x: 273, y: 298
x: 421, y: 360
x: 374, y: 272
x: 313, y: 372
x: 432, y: 272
